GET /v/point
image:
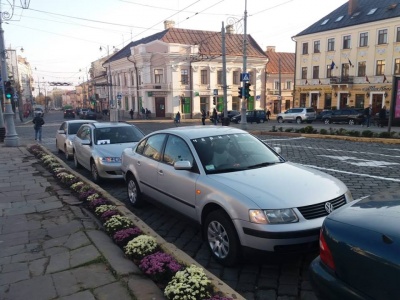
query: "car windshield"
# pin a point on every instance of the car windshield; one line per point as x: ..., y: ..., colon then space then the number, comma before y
x: 233, y: 152
x: 117, y: 135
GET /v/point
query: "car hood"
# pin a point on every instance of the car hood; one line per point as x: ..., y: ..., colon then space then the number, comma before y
x: 283, y: 185
x: 379, y: 213
x: 113, y: 150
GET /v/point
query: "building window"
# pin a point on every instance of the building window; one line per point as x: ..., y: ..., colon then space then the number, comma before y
x: 317, y: 47
x: 345, y: 70
x: 158, y: 76
x: 305, y: 48
x: 359, y: 101
x: 315, y: 72
x: 382, y: 36
x: 331, y: 44
x: 398, y: 34
x: 328, y: 101
x: 276, y: 85
x: 380, y: 67
x: 364, y: 39
x: 219, y: 77
x: 328, y: 71
x: 203, y: 104
x: 346, y: 42
x: 235, y: 77
x: 304, y: 73
x: 204, y: 76
x: 362, y: 67
x: 184, y: 76
x: 132, y: 79
x: 288, y: 85
x: 397, y: 66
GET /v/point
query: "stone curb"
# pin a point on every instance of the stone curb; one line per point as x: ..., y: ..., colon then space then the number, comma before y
x: 181, y: 256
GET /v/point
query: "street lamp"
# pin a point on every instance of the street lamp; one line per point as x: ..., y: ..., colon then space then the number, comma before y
x: 114, y: 112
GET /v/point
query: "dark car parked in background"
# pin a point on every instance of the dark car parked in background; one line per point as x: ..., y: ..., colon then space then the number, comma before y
x: 350, y: 116
x: 69, y: 113
x: 231, y: 114
x: 359, y: 250
x: 252, y: 116
x: 322, y: 113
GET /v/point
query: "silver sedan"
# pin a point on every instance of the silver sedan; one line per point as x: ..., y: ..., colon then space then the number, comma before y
x: 66, y: 134
x: 241, y: 191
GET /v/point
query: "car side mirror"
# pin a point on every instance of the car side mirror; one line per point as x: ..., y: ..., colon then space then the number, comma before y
x: 183, y: 165
x: 61, y: 131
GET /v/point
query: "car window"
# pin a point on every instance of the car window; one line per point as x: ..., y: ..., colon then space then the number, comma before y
x: 74, y: 127
x: 84, y: 133
x: 153, y: 146
x: 176, y: 149
x: 288, y: 111
x: 310, y: 110
x: 63, y: 126
x: 297, y: 110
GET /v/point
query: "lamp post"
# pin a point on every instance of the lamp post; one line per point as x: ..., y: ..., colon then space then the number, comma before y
x: 114, y: 112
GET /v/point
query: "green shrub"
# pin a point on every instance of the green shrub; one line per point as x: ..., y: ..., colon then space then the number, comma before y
x: 288, y: 129
x: 280, y: 129
x: 385, y: 135
x: 367, y: 133
x: 341, y: 131
x: 353, y: 133
x: 302, y: 130
x: 323, y: 131
x: 308, y: 129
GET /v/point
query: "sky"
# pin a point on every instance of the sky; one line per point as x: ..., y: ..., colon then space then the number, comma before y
x: 61, y: 38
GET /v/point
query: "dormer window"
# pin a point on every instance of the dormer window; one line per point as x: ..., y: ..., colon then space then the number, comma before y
x: 325, y: 21
x: 372, y: 11
x: 355, y: 14
x: 339, y: 18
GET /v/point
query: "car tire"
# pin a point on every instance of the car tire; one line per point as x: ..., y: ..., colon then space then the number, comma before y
x: 94, y: 172
x: 134, y: 195
x: 262, y: 120
x: 67, y: 156
x: 280, y: 120
x: 327, y: 121
x: 221, y: 238
x: 298, y: 120
x: 352, y: 122
x: 76, y: 162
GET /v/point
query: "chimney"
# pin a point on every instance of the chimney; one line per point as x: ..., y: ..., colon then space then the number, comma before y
x: 169, y: 24
x: 271, y: 48
x: 229, y: 29
x: 353, y: 5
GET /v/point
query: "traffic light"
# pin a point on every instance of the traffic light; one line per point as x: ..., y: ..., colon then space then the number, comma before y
x: 247, y: 90
x: 8, y: 89
x: 240, y: 90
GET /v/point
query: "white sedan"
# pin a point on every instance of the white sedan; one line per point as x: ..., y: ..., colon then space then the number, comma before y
x: 240, y: 190
x: 66, y: 134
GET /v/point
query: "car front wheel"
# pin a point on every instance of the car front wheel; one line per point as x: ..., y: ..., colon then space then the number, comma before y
x: 67, y: 157
x: 222, y: 238
x: 95, y: 173
x: 134, y: 194
x: 280, y: 120
x: 327, y: 121
x: 352, y: 122
x: 298, y: 120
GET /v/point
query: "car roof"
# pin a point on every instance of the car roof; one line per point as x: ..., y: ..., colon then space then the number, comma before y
x: 110, y: 124
x: 81, y: 121
x: 198, y: 131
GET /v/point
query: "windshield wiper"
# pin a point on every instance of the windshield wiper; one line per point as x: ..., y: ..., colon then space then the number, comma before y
x: 264, y: 164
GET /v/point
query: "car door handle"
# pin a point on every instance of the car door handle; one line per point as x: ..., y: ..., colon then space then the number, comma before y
x: 160, y: 172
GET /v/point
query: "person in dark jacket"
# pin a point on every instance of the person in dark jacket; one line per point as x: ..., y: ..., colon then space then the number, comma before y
x: 382, y: 116
x: 39, y: 122
x: 203, y: 117
x: 367, y: 115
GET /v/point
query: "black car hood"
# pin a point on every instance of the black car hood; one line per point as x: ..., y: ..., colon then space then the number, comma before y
x: 379, y: 213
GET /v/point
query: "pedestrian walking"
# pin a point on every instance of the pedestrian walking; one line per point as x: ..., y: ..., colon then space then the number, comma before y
x: 147, y: 112
x: 367, y: 115
x: 39, y: 122
x: 215, y: 116
x: 131, y: 113
x: 268, y: 114
x: 382, y: 116
x: 203, y: 116
x: 143, y: 111
x: 177, y: 117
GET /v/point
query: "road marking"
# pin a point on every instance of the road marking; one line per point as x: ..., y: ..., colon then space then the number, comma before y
x: 361, y: 162
x: 352, y: 173
x: 288, y: 139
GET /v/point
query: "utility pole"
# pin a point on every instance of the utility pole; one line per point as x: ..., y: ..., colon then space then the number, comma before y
x: 280, y: 86
x: 225, y: 120
x: 243, y: 120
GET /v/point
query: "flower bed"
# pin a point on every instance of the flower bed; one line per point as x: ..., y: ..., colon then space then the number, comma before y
x: 175, y: 279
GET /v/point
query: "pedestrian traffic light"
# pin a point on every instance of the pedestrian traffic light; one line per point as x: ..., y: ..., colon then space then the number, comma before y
x: 8, y: 90
x: 240, y: 90
x: 247, y: 90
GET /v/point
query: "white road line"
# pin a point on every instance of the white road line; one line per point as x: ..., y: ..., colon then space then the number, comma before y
x: 361, y: 161
x: 339, y: 150
x: 288, y: 139
x: 352, y: 173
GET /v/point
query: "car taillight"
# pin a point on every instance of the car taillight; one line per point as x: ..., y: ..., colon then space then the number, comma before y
x: 325, y: 253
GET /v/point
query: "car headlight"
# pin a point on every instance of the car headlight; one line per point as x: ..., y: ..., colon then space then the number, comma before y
x: 349, y: 196
x: 111, y: 159
x: 273, y: 216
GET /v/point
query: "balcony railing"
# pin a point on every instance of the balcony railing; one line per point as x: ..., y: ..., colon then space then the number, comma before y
x: 342, y: 79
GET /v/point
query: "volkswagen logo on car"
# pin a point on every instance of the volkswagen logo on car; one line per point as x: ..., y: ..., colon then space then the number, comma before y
x: 328, y: 207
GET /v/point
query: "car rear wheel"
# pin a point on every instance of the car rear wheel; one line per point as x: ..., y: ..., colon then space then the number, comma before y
x: 327, y: 121
x: 222, y: 238
x: 134, y: 194
x: 352, y: 122
x: 95, y: 173
x: 298, y: 120
x: 76, y: 162
x: 280, y: 120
